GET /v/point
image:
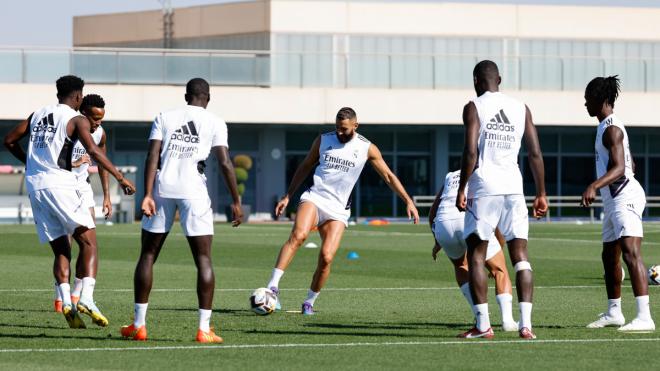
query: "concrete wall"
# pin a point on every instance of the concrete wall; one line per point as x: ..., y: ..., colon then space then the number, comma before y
x: 316, y: 105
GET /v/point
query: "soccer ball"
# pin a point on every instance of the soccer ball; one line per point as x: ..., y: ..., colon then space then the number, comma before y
x: 263, y: 301
x: 654, y: 275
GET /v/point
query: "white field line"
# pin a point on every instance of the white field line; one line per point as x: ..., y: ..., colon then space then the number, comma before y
x: 561, y: 287
x: 333, y: 345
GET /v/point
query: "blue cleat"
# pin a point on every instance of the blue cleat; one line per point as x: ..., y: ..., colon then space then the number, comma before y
x: 276, y: 291
x: 307, y: 309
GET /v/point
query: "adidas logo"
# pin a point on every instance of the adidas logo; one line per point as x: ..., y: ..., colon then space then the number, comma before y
x: 501, y: 123
x: 46, y: 124
x: 187, y: 133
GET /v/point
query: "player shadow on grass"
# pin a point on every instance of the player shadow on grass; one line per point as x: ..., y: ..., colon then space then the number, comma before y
x: 414, y: 325
x: 236, y: 312
x: 49, y: 327
x: 25, y: 310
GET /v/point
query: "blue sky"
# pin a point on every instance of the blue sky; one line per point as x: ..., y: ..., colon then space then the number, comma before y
x: 49, y: 22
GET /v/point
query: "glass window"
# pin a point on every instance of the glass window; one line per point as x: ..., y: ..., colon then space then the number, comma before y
x: 300, y: 140
x: 292, y: 163
x: 454, y: 163
x: 654, y: 177
x: 131, y: 138
x: 375, y: 195
x: 550, y: 164
x: 415, y: 170
x: 654, y: 144
x: 382, y: 138
x: 456, y: 141
x: 576, y: 174
x: 416, y: 141
x: 244, y: 140
x: 578, y: 142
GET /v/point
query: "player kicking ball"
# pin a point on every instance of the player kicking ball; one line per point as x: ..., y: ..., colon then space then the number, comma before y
x: 92, y: 107
x: 339, y: 157
x: 179, y: 144
x: 623, y: 204
x: 495, y: 125
x: 57, y: 205
x: 447, y: 227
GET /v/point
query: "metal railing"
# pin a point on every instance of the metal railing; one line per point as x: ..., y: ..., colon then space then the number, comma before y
x: 553, y: 202
x: 315, y: 69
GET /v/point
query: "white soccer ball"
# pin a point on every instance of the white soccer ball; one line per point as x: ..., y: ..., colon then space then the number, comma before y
x: 263, y: 301
x: 654, y: 275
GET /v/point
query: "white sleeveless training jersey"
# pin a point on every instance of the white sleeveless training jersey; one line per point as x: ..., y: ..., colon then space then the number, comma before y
x: 82, y: 171
x: 627, y: 186
x: 339, y: 168
x: 502, y: 125
x: 188, y: 134
x: 49, y: 152
x: 447, y: 208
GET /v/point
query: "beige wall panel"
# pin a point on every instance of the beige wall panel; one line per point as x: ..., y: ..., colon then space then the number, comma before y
x: 115, y: 28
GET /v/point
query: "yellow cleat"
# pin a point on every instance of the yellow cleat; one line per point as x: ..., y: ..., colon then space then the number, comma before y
x: 93, y: 312
x: 72, y: 317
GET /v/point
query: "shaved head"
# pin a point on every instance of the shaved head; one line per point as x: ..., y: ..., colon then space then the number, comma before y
x: 486, y: 77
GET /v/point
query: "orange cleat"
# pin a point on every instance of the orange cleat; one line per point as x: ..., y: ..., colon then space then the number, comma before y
x: 75, y: 299
x: 208, y: 337
x: 58, y: 306
x: 130, y: 332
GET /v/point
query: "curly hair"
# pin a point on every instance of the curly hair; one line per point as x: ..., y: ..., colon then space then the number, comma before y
x: 92, y: 100
x: 604, y: 89
x: 66, y: 85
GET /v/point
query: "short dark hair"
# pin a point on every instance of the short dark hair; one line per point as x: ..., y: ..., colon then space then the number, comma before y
x: 197, y: 87
x: 486, y: 70
x: 346, y: 113
x: 66, y: 85
x: 604, y: 89
x: 92, y: 100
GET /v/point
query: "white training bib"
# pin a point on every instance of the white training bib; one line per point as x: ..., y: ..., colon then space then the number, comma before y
x: 340, y: 165
x: 49, y: 151
x: 447, y: 208
x: 627, y: 186
x: 188, y: 134
x: 82, y: 171
x: 502, y: 126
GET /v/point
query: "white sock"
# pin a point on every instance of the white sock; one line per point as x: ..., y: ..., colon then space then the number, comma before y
x: 505, y: 302
x: 275, y: 278
x: 87, y: 294
x: 483, y: 319
x: 311, y: 297
x: 643, y: 310
x: 525, y: 315
x: 465, y: 290
x: 614, y: 307
x: 57, y: 295
x: 140, y: 314
x: 205, y: 319
x: 65, y: 293
x: 77, y: 287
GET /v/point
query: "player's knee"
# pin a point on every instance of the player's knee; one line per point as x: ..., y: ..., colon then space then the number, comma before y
x: 523, y: 266
x: 298, y: 237
x: 326, y: 259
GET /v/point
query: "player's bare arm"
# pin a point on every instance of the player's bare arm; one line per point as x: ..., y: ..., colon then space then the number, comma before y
x: 308, y: 164
x: 13, y: 138
x: 376, y: 160
x: 80, y: 126
x: 105, y: 181
x: 469, y: 159
x: 613, y: 141
x: 535, y: 158
x: 150, y: 168
x: 222, y: 155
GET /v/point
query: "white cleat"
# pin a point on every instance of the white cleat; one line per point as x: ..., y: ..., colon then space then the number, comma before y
x: 605, y: 320
x: 510, y: 326
x: 639, y: 325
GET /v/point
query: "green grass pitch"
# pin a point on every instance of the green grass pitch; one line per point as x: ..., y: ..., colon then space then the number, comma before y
x: 393, y: 308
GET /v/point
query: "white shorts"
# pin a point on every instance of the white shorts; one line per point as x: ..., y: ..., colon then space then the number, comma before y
x: 58, y: 212
x: 449, y: 234
x: 323, y: 214
x: 196, y: 216
x: 87, y: 195
x: 623, y: 219
x: 506, y: 212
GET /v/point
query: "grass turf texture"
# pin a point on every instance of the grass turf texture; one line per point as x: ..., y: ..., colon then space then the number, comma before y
x: 358, y: 325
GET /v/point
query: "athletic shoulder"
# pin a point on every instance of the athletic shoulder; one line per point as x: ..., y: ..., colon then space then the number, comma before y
x: 362, y: 138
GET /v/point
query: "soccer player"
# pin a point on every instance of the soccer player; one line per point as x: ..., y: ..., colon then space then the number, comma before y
x: 339, y: 157
x: 447, y: 226
x: 92, y: 107
x: 56, y: 202
x: 495, y: 124
x: 179, y: 144
x: 623, y: 204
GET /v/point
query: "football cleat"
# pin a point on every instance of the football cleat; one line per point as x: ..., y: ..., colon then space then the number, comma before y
x: 639, y: 325
x: 72, y: 317
x: 132, y: 333
x: 526, y: 333
x: 208, y: 337
x: 605, y: 320
x: 510, y: 326
x: 474, y: 333
x: 307, y: 309
x: 93, y: 312
x: 57, y: 305
x: 276, y: 291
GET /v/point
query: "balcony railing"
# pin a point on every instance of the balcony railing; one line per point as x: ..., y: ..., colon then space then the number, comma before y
x: 353, y: 70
